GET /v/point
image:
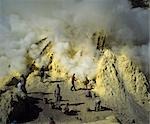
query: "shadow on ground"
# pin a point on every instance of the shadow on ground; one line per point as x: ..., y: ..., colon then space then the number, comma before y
x: 101, y: 109
x: 76, y: 104
x: 42, y: 93
x: 105, y: 108
x: 25, y: 110
x: 73, y: 112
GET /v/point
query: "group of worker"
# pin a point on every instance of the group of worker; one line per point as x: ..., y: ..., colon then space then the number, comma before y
x: 58, y: 97
x: 57, y: 92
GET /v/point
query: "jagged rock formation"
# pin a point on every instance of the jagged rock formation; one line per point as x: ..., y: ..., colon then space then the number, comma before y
x: 7, y: 99
x: 122, y: 86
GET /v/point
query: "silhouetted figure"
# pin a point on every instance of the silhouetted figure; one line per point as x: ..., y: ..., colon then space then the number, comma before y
x: 51, y: 121
x: 98, y: 43
x: 88, y: 93
x: 19, y: 86
x: 94, y: 94
x: 23, y: 82
x: 57, y: 93
x: 45, y: 100
x: 21, y: 93
x: 58, y: 98
x: 103, y: 42
x: 133, y: 121
x: 69, y: 111
x: 12, y: 100
x: 73, y: 83
x: 51, y: 59
x: 52, y: 105
x: 97, y: 105
x: 66, y: 109
x: 86, y: 82
x: 42, y: 73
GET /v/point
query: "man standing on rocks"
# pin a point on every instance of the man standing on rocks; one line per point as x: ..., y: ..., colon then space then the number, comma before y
x: 20, y: 91
x: 73, y: 83
x: 97, y: 104
x: 19, y: 86
x: 42, y: 73
x: 86, y: 82
x: 23, y: 82
x: 57, y: 97
x: 57, y: 93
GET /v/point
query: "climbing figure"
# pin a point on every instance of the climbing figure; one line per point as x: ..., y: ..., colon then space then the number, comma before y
x: 20, y: 89
x: 23, y: 82
x: 103, y: 42
x: 51, y: 59
x: 98, y: 43
x: 19, y: 86
x: 42, y: 73
x: 86, y: 82
x: 73, y: 83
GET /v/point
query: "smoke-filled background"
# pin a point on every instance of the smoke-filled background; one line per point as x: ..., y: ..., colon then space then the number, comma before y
x: 71, y: 23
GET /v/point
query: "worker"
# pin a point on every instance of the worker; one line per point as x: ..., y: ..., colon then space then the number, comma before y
x: 57, y: 93
x: 45, y: 100
x: 51, y: 59
x: 88, y: 94
x: 19, y: 86
x: 23, y: 82
x: 66, y: 109
x: 73, y: 83
x: 12, y: 100
x: 86, y: 82
x: 97, y: 105
x: 42, y: 73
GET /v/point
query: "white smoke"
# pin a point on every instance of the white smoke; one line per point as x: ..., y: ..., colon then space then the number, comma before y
x: 13, y: 45
x: 140, y: 54
x: 82, y: 63
x: 22, y: 22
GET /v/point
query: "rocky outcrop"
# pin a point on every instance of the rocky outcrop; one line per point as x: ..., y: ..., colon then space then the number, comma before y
x: 122, y: 86
x: 5, y: 106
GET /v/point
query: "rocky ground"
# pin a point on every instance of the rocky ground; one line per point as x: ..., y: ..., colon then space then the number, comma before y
x: 76, y: 99
x: 34, y: 110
